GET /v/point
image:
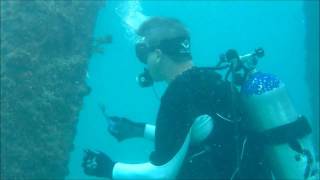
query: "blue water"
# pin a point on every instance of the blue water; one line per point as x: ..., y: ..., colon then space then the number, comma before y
x: 215, y: 27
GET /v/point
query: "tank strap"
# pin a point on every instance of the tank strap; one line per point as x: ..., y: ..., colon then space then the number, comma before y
x: 283, y: 134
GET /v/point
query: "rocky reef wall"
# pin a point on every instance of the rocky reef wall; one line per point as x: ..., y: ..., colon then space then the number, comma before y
x: 45, y: 47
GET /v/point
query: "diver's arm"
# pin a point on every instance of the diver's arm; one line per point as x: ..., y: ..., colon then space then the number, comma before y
x: 150, y: 171
x: 123, y: 128
x: 199, y: 131
x: 99, y: 164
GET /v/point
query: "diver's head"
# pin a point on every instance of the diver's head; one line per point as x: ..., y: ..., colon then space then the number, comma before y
x: 164, y: 46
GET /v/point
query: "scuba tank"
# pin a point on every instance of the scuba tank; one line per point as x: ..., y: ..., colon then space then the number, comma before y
x: 278, y: 127
x: 272, y: 120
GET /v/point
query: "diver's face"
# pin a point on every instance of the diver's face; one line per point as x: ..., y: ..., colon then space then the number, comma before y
x: 151, y: 57
x: 154, y: 64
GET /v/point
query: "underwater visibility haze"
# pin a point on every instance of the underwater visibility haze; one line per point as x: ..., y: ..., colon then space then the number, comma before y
x: 62, y: 60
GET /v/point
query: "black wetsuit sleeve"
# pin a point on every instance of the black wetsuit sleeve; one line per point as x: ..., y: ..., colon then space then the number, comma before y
x: 173, y: 123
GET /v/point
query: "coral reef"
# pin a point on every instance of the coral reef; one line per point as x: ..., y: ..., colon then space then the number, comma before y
x: 311, y: 9
x: 45, y: 47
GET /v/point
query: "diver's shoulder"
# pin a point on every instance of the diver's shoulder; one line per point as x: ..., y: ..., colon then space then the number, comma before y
x: 203, y: 73
x: 197, y: 76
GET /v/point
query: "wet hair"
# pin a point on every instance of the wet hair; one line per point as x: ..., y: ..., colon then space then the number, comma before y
x: 159, y: 29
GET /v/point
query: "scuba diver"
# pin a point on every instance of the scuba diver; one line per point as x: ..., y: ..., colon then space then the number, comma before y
x: 202, y: 129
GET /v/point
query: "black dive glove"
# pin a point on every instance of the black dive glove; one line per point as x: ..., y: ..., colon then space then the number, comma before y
x: 123, y: 128
x: 97, y: 164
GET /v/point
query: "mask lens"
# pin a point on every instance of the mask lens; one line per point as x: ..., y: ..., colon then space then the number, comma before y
x: 142, y: 52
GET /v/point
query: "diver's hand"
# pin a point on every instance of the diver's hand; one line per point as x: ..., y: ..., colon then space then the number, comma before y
x: 123, y: 128
x: 97, y: 164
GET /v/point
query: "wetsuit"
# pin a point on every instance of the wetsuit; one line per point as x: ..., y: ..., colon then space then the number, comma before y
x: 195, y: 92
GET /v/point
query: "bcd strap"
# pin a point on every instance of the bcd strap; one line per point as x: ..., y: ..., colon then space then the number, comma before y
x: 287, y: 134
x: 283, y: 134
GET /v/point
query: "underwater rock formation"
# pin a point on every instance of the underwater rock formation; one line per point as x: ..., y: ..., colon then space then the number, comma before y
x: 45, y: 47
x: 311, y: 9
